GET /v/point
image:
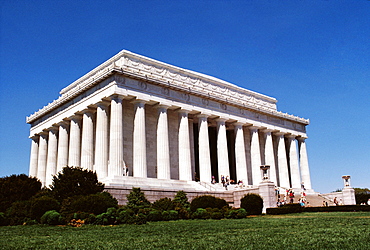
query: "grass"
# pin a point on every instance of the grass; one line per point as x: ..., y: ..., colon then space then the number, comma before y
x: 343, y: 230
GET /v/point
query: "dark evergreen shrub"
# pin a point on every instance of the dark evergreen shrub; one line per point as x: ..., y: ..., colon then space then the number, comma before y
x: 252, y: 203
x: 217, y: 215
x: 3, y: 220
x: 136, y: 200
x: 183, y: 213
x: 41, y: 205
x: 93, y: 203
x: 200, y: 213
x: 139, y: 219
x: 17, y: 188
x: 154, y: 215
x: 125, y: 216
x: 206, y: 201
x: 74, y: 181
x: 173, y: 215
x: 181, y: 200
x: 51, y: 218
x: 163, y: 204
x: 242, y: 213
x: 90, y: 219
x: 18, y: 213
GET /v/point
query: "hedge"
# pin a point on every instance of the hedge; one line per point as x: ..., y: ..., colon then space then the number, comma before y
x: 296, y: 208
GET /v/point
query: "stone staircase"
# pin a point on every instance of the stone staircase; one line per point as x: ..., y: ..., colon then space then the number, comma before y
x: 315, y: 200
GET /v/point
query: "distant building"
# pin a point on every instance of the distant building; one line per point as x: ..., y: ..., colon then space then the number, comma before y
x: 144, y: 123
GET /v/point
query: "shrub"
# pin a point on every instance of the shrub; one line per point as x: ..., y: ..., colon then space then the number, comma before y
x: 18, y: 213
x: 154, y: 216
x: 17, y: 188
x: 75, y: 181
x: 252, y: 203
x: 206, y: 201
x: 51, y: 218
x: 41, y: 205
x: 139, y: 219
x: 136, y: 200
x: 126, y: 216
x: 170, y: 215
x: 200, y: 213
x: 93, y: 203
x: 183, y: 213
x: 163, y: 204
x: 181, y: 200
x: 3, y: 221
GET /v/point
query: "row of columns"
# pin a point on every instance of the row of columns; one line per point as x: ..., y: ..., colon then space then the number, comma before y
x: 71, y: 143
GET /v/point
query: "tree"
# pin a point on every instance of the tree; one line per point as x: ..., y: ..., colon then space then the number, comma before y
x: 137, y: 200
x: 181, y: 199
x: 74, y: 181
x: 362, y: 195
x: 252, y: 203
x: 17, y: 188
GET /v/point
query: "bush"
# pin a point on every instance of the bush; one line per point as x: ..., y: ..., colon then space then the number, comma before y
x: 3, y: 221
x: 170, y: 215
x: 125, y: 216
x: 93, y: 203
x: 17, y: 188
x: 41, y: 205
x: 181, y: 200
x: 139, y: 219
x: 75, y: 181
x: 18, y: 213
x: 183, y: 213
x: 252, y: 203
x: 136, y: 200
x: 51, y: 218
x: 200, y: 213
x: 154, y: 215
x: 163, y: 204
x: 206, y: 201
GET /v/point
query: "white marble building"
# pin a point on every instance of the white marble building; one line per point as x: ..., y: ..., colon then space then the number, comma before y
x: 168, y: 126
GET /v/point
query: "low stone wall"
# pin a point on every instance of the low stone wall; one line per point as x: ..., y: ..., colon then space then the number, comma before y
x: 232, y: 197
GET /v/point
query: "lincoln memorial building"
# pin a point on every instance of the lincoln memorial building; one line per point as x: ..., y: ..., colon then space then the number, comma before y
x: 138, y: 122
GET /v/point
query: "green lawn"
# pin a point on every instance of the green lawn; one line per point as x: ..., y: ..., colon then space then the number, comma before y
x: 295, y: 231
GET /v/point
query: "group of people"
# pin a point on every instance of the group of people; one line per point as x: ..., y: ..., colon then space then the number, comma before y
x: 288, y: 197
x: 226, y: 181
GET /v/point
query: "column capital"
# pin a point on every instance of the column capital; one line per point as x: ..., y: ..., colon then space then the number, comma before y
x: 88, y: 110
x: 202, y: 116
x: 162, y: 107
x: 34, y: 137
x: 75, y: 117
x: 267, y: 131
x: 279, y: 133
x: 254, y: 128
x: 221, y: 120
x: 291, y: 136
x: 184, y: 111
x: 54, y: 129
x: 238, y: 124
x: 103, y: 104
x: 301, y: 138
x: 116, y: 97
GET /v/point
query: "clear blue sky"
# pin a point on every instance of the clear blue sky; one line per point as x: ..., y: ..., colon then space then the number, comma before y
x: 313, y: 56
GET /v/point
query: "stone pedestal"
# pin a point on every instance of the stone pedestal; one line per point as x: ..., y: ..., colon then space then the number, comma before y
x: 349, y: 196
x: 267, y: 192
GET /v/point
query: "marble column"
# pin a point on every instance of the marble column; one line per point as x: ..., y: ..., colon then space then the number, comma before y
x: 74, y: 155
x: 42, y: 157
x: 269, y: 155
x: 163, y: 149
x: 255, y: 156
x: 184, y: 147
x: 240, y: 155
x: 222, y: 150
x: 293, y: 162
x: 87, y: 142
x: 205, y: 173
x: 101, y: 141
x: 51, y: 166
x: 305, y: 170
x: 116, y: 163
x: 139, y: 141
x: 34, y: 155
x: 282, y: 161
x: 62, y: 160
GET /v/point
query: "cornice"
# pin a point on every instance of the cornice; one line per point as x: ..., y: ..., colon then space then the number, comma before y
x: 147, y: 69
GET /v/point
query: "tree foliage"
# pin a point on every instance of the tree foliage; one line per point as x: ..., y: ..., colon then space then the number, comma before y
x: 137, y: 200
x: 362, y: 195
x: 252, y: 203
x: 72, y: 181
x: 206, y: 201
x: 181, y: 200
x: 17, y: 188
